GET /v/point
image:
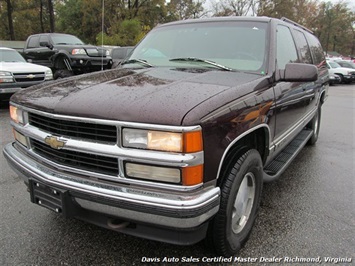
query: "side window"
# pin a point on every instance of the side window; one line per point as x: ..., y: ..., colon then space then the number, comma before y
x: 316, y: 49
x: 301, y: 41
x: 286, y: 49
x: 44, y: 38
x: 33, y: 42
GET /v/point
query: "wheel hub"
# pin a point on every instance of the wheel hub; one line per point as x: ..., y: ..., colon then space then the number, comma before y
x: 243, y: 203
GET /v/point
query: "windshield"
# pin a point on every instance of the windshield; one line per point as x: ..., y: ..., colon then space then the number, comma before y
x: 10, y: 56
x: 234, y: 44
x: 334, y: 65
x: 66, y: 39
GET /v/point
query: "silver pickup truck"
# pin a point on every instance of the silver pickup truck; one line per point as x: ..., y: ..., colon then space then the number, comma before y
x: 16, y: 73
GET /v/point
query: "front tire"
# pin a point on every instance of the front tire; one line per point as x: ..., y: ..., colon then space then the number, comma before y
x: 62, y: 73
x: 240, y: 199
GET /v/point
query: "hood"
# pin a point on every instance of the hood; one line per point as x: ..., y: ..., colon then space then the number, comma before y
x: 154, y: 95
x: 21, y: 67
x: 341, y: 70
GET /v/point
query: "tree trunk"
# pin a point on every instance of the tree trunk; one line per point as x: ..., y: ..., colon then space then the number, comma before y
x: 51, y: 15
x: 41, y: 15
x: 9, y: 18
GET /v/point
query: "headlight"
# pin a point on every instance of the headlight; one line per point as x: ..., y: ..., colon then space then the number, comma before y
x: 78, y: 51
x: 6, y: 77
x: 49, y: 74
x: 16, y: 114
x: 161, y: 140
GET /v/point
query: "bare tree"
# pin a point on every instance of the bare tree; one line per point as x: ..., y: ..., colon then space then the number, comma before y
x: 236, y: 7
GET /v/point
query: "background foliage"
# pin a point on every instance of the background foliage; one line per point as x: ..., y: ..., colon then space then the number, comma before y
x: 127, y: 21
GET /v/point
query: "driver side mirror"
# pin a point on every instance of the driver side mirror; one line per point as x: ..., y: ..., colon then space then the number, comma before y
x: 46, y: 44
x: 297, y: 72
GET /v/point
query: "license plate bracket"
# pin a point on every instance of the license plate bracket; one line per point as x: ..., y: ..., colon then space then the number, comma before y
x: 49, y: 197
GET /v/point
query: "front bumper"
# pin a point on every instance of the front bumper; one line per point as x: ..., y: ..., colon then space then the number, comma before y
x: 90, y: 62
x: 349, y: 78
x: 13, y: 87
x: 145, y: 208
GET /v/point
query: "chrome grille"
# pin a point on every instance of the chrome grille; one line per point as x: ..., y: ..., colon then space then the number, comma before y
x: 74, y: 129
x: 79, y: 160
x: 25, y: 77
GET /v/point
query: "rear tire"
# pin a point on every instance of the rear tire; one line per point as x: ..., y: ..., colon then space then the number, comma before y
x: 240, y: 199
x: 314, y: 124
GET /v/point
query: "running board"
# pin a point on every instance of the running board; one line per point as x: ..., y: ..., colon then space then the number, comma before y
x: 276, y: 167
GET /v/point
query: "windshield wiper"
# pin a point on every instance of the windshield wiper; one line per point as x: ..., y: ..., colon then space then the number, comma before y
x: 194, y: 59
x: 135, y: 60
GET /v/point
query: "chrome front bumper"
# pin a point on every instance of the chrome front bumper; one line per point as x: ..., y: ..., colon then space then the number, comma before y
x: 174, y: 209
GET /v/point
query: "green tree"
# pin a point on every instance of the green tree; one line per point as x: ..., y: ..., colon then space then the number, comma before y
x: 185, y: 9
x: 332, y: 24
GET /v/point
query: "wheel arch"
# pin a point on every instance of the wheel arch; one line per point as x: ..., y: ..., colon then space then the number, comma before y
x: 257, y: 138
x: 58, y: 61
x: 322, y: 97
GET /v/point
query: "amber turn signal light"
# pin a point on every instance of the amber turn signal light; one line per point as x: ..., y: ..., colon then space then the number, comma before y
x: 192, y: 175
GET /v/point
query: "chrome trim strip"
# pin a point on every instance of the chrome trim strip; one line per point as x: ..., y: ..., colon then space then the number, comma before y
x: 120, y: 124
x: 238, y: 138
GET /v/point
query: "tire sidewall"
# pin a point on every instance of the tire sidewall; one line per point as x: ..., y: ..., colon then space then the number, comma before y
x: 250, y: 163
x: 62, y: 74
x: 315, y: 119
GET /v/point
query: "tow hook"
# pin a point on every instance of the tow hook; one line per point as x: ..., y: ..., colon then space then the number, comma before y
x: 116, y: 224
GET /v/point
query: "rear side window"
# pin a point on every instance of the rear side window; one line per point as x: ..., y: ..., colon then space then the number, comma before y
x: 316, y: 49
x: 33, y: 42
x: 306, y: 56
x: 286, y: 49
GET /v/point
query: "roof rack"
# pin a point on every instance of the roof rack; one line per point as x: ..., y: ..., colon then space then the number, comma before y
x: 296, y: 24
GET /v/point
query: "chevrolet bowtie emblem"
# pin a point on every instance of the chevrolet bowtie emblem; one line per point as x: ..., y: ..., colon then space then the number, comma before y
x: 30, y: 76
x: 54, y: 142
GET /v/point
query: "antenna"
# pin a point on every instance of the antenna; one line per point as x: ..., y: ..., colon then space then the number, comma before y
x: 102, y: 35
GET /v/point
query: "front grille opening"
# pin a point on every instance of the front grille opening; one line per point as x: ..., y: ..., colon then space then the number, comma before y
x: 89, y: 162
x: 79, y: 130
x: 25, y: 77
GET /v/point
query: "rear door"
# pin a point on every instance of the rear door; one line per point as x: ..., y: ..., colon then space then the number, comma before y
x: 311, y: 53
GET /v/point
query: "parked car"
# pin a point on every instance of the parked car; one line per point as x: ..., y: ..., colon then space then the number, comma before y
x: 120, y: 53
x: 334, y: 79
x: 346, y: 64
x: 347, y: 75
x: 175, y: 144
x: 16, y: 73
x: 65, y: 54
